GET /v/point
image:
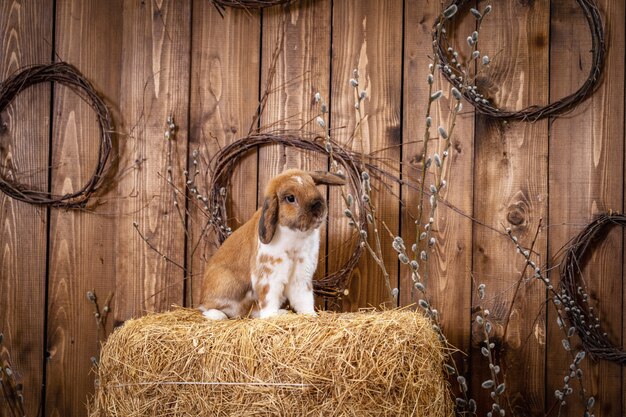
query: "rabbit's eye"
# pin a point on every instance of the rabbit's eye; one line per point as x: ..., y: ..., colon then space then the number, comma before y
x: 290, y: 198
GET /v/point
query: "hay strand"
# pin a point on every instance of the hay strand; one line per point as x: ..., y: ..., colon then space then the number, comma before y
x: 357, y: 364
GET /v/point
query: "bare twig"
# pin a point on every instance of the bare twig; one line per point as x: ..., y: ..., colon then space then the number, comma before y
x: 12, y: 390
x: 519, y: 282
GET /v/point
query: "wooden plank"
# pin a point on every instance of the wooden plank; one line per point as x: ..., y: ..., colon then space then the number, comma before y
x: 367, y: 35
x: 586, y: 178
x: 155, y: 85
x: 25, y: 39
x: 299, y: 37
x: 82, y: 244
x: 510, y: 190
x: 224, y: 99
x: 449, y: 287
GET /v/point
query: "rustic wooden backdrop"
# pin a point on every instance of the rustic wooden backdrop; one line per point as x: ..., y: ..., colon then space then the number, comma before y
x: 154, y: 58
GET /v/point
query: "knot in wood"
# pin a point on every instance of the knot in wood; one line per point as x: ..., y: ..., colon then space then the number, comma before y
x: 516, y: 216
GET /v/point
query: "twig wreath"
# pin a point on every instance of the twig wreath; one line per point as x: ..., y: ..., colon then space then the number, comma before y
x: 221, y: 5
x: 226, y: 159
x: 249, y: 4
x: 67, y: 75
x: 441, y: 46
x: 579, y: 313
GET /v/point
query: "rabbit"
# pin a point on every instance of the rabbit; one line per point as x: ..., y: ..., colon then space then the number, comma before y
x: 272, y: 257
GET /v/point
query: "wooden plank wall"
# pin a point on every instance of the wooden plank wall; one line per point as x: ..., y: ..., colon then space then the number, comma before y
x: 25, y: 39
x: 158, y: 58
x: 593, y: 137
x: 515, y: 154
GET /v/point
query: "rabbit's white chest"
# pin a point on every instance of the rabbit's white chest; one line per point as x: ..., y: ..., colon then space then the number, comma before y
x: 297, y: 250
x: 285, y: 269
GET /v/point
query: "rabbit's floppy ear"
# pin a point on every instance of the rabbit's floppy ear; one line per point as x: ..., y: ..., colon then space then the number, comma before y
x: 269, y: 218
x: 327, y: 178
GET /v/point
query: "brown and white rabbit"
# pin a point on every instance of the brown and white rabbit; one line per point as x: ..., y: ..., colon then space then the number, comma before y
x: 273, y: 256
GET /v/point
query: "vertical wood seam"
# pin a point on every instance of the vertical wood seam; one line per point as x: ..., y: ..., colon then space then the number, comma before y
x: 44, y: 359
x: 329, y: 103
x: 622, y: 395
x: 259, y: 110
x: 470, y: 352
x: 187, y: 292
x: 401, y: 170
x: 548, y: 211
x: 331, y: 16
x: 623, y: 374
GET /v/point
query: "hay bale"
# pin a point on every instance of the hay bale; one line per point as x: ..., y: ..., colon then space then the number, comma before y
x: 353, y: 364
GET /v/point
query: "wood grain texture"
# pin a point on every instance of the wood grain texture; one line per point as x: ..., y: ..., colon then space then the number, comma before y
x: 510, y: 190
x: 150, y: 59
x: 296, y: 65
x: 155, y: 84
x: 82, y: 244
x: 450, y: 284
x: 367, y: 35
x: 25, y: 39
x: 586, y: 153
x: 224, y: 99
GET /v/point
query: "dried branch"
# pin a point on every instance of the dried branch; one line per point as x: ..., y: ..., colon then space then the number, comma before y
x: 12, y: 390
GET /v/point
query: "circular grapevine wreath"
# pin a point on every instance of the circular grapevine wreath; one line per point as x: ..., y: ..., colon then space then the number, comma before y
x: 67, y: 75
x: 221, y: 5
x: 224, y: 162
x: 580, y: 315
x: 249, y: 4
x: 531, y: 113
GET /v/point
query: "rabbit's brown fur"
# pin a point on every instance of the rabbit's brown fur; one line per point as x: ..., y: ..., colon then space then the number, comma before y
x: 273, y: 256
